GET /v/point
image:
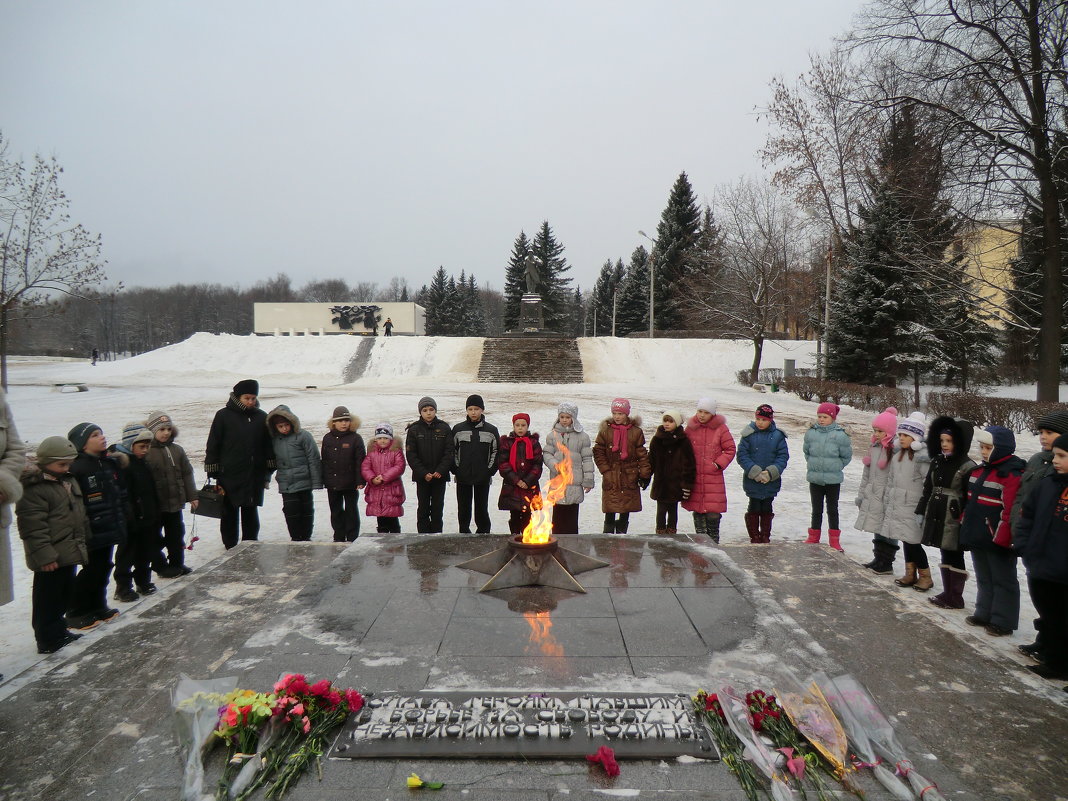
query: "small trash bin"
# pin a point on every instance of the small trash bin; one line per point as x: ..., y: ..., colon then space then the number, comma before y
x: 774, y: 387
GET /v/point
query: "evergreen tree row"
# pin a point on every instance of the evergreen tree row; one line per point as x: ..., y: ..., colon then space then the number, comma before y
x: 453, y: 307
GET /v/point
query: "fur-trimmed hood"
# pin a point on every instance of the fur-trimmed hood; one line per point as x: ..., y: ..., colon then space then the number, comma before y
x: 283, y: 411
x: 959, y: 429
x: 356, y: 422
x: 634, y: 420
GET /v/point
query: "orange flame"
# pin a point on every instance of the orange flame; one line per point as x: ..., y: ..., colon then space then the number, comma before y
x: 540, y: 527
x: 541, y: 626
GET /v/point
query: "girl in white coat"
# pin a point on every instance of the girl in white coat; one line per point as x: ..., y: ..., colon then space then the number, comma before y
x: 567, y: 433
x: 873, y: 488
x: 904, y: 488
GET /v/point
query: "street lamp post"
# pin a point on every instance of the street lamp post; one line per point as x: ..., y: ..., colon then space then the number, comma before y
x: 652, y: 276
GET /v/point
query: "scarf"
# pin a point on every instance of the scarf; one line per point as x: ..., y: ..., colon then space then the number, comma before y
x: 619, y: 438
x: 884, y: 457
x: 513, y: 456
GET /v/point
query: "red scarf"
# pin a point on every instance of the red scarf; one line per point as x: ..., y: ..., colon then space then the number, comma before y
x: 513, y: 456
x: 619, y: 438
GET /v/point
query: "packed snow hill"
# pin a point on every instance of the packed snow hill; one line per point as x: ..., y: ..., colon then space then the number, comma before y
x: 381, y: 380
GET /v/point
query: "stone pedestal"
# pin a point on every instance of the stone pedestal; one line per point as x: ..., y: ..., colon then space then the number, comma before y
x: 531, y: 315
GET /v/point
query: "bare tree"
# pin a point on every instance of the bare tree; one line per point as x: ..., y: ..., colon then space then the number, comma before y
x: 328, y: 290
x: 995, y: 73
x: 764, y: 240
x: 42, y: 253
x: 363, y: 291
x: 397, y: 290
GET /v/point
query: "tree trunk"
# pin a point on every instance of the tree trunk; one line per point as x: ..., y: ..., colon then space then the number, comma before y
x: 1049, y: 332
x: 758, y: 349
x: 916, y: 386
x: 3, y: 347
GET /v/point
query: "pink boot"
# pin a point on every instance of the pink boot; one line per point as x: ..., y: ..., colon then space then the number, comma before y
x: 813, y: 535
x: 834, y: 535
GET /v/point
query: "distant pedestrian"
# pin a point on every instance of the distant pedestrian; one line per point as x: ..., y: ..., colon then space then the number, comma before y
x: 827, y: 450
x: 383, y: 470
x: 428, y: 448
x: 520, y: 463
x: 714, y: 449
x: 299, y: 471
x: 762, y: 455
x: 388, y: 327
x: 343, y: 453
x: 475, y: 445
x: 568, y: 433
x: 240, y: 456
x: 95, y: 357
x: 621, y: 457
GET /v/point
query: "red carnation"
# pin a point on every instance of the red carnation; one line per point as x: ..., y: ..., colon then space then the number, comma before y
x: 606, y: 757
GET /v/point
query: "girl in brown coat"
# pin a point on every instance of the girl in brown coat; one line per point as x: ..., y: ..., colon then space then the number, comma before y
x: 620, y: 455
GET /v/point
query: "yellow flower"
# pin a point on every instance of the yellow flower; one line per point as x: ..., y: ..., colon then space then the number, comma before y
x: 414, y: 781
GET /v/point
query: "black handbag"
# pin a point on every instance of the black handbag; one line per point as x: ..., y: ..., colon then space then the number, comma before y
x: 210, y: 501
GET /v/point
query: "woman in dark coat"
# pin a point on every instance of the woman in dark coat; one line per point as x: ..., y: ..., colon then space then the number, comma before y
x: 240, y: 456
x: 520, y: 461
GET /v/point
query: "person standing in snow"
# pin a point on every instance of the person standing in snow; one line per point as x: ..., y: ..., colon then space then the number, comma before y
x: 623, y: 461
x: 520, y: 463
x: 674, y: 470
x: 714, y: 449
x: 872, y: 488
x: 383, y: 470
x: 240, y: 456
x: 342, y: 456
x: 904, y: 488
x: 827, y: 451
x: 762, y: 455
x: 175, y: 487
x: 475, y: 444
x: 300, y: 471
x: 568, y: 433
x: 428, y: 448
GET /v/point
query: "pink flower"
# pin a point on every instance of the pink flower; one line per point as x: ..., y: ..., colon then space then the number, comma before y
x: 354, y: 700
x: 795, y: 764
x: 307, y: 725
x: 320, y: 688
x: 294, y: 683
x: 297, y: 710
x: 333, y: 698
x: 606, y: 757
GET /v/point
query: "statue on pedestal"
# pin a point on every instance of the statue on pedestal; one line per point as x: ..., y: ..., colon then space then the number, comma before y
x: 532, y: 273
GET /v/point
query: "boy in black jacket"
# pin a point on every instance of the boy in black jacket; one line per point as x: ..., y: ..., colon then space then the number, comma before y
x: 143, y: 548
x: 475, y: 444
x: 428, y: 448
x: 104, y: 495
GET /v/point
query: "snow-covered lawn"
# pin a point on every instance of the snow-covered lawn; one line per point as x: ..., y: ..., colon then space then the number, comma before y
x: 192, y: 379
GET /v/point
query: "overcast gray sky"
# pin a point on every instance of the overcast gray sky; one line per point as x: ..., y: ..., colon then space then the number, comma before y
x: 227, y: 141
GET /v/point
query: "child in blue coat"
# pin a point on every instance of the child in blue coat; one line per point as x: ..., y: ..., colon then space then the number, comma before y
x: 762, y: 455
x: 827, y: 450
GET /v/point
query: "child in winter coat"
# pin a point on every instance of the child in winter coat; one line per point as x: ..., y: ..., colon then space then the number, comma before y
x: 674, y: 470
x: 300, y: 471
x: 569, y: 440
x: 1050, y: 426
x: 428, y: 447
x: 762, y: 455
x: 985, y: 531
x: 383, y: 471
x: 175, y: 487
x: 99, y: 477
x: 827, y: 451
x: 1041, y: 537
x: 342, y: 456
x: 942, y: 502
x: 135, y: 558
x: 713, y: 449
x: 53, y: 526
x: 872, y: 489
x: 475, y: 444
x: 904, y: 488
x: 620, y: 455
x: 520, y: 463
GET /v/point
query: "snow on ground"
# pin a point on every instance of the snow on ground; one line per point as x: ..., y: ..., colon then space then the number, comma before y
x: 192, y: 379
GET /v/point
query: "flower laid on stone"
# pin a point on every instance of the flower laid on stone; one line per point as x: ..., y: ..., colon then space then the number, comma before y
x: 607, y: 758
x: 415, y: 783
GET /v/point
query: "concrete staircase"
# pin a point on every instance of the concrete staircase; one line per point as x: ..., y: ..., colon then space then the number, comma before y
x: 535, y: 360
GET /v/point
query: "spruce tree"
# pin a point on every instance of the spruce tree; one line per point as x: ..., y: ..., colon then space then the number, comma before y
x: 435, y: 299
x: 675, y: 255
x: 555, y: 286
x: 599, y: 302
x: 632, y: 299
x: 515, y: 285
x: 474, y: 317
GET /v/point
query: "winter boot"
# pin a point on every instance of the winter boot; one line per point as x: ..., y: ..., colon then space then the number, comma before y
x: 622, y: 523
x: 923, y: 580
x: 813, y: 535
x: 884, y: 558
x: 752, y: 527
x: 712, y: 526
x: 671, y: 531
x: 765, y: 526
x: 699, y: 524
x: 834, y: 537
x: 909, y: 578
x: 661, y: 531
x: 952, y: 595
x: 874, y: 556
x: 609, y: 524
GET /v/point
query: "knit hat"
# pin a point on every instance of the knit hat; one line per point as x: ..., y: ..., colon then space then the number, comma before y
x: 55, y: 449
x: 567, y: 407
x: 383, y: 430
x: 340, y: 413
x: 425, y: 401
x: 134, y: 432
x: 475, y: 400
x: 829, y: 408
x: 621, y: 405
x: 521, y: 416
x: 1061, y: 443
x: 1053, y: 421
x: 706, y: 405
x: 765, y: 410
x: 248, y: 386
x: 79, y: 435
x: 886, y: 420
x: 674, y: 415
x: 915, y: 425
x: 157, y: 420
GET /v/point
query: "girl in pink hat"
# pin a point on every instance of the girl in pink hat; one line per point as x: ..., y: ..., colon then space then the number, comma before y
x: 621, y: 458
x: 872, y: 489
x: 827, y: 451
